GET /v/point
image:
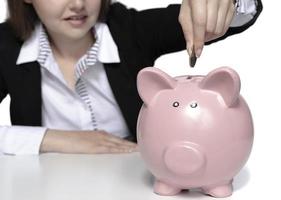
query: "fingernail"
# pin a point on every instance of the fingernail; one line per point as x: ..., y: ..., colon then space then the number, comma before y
x: 198, y: 53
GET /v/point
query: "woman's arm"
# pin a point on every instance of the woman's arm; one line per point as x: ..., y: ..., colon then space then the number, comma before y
x: 27, y: 140
x: 158, y: 31
x: 85, y: 142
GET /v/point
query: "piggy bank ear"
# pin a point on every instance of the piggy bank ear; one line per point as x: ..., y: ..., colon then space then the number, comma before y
x: 225, y: 82
x: 151, y: 81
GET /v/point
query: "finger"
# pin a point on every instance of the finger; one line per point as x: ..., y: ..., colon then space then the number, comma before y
x: 121, y: 141
x: 212, y: 16
x: 108, y: 143
x: 114, y: 150
x: 199, y: 16
x: 222, y: 13
x: 229, y: 18
x: 119, y: 145
x: 185, y: 20
x: 117, y: 140
x: 209, y: 37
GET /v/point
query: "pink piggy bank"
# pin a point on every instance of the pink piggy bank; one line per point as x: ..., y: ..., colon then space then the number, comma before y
x: 193, y: 131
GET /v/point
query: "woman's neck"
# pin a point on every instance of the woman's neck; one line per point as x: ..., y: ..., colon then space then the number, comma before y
x: 71, y: 49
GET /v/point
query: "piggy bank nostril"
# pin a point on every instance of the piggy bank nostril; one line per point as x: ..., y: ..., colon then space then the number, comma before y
x: 176, y: 104
x: 193, y: 105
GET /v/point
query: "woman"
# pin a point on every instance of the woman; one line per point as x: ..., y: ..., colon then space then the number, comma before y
x: 70, y: 66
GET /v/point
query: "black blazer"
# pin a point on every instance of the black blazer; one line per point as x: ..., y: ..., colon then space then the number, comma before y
x: 141, y: 38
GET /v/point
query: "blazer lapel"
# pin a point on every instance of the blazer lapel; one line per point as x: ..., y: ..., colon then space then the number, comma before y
x: 26, y: 106
x: 124, y: 90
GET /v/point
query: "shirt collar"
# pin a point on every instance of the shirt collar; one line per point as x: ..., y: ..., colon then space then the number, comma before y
x: 107, y: 52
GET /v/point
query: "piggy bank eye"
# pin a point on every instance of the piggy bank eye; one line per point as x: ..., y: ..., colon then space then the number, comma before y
x: 176, y: 104
x: 193, y: 105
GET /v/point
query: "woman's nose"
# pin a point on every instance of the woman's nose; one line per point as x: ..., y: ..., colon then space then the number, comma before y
x: 77, y: 5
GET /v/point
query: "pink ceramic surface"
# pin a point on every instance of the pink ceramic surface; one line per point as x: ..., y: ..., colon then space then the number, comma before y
x: 193, y: 131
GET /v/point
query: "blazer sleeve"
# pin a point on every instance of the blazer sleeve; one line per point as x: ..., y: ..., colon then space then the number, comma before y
x: 158, y: 31
x: 151, y: 32
x: 3, y: 90
x: 3, y: 86
x: 239, y: 29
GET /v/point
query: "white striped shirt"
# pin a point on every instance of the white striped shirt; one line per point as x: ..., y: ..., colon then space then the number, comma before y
x: 92, y: 106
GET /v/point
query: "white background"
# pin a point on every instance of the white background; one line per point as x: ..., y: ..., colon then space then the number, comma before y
x: 255, y: 55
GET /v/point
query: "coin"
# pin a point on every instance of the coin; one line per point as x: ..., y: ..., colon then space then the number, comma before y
x: 192, y: 58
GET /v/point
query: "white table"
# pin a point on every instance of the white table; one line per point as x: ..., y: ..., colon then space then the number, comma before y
x: 87, y: 177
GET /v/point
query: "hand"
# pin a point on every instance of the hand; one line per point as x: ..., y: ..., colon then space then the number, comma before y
x: 204, y: 20
x: 85, y: 142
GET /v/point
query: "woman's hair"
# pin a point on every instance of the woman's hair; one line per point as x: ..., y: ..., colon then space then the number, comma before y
x: 23, y: 18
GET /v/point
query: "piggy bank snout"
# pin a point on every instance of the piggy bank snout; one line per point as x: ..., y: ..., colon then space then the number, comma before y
x: 184, y: 158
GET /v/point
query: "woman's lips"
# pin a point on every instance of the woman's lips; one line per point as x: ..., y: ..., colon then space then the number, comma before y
x: 77, y: 21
